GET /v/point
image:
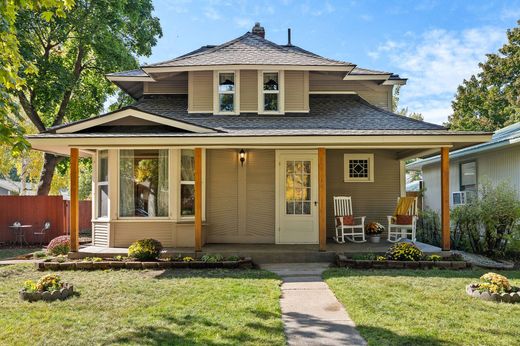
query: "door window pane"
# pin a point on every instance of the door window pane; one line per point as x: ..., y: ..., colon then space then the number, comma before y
x: 297, y: 187
x: 143, y: 180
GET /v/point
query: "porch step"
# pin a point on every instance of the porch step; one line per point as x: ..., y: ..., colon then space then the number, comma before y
x: 291, y: 257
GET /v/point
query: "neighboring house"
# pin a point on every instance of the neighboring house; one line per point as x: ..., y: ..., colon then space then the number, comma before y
x: 8, y: 188
x: 497, y: 161
x: 245, y: 142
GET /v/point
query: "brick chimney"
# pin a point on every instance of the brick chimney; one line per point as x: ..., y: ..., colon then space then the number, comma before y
x: 258, y: 30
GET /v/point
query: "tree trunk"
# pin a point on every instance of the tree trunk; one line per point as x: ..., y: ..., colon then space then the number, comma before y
x: 50, y: 162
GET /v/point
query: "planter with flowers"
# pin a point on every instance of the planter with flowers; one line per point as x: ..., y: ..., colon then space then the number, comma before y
x: 49, y: 287
x: 494, y: 287
x: 374, y: 231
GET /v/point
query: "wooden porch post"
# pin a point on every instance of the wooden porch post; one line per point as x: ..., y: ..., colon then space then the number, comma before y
x: 74, y: 201
x: 322, y: 198
x: 198, y: 199
x: 445, y: 198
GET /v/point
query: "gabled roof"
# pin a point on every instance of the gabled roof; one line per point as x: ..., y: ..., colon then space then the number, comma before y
x: 506, y: 136
x: 249, y: 49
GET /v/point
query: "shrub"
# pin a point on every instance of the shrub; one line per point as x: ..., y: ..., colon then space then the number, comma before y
x: 187, y: 259
x: 29, y: 286
x: 429, y: 227
x: 49, y: 282
x: 434, y: 258
x: 494, y: 283
x: 145, y: 249
x: 59, y: 246
x: 39, y: 254
x: 364, y: 256
x: 233, y: 258
x: 404, y: 252
x: 212, y: 258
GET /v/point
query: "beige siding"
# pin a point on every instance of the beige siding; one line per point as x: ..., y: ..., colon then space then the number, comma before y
x: 167, y: 232
x: 495, y: 166
x: 249, y: 91
x: 296, y: 91
x: 240, y: 200
x: 378, y: 95
x: 374, y: 200
x: 176, y: 84
x: 200, y: 91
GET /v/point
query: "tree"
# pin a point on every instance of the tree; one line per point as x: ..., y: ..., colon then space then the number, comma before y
x: 490, y: 100
x: 403, y: 111
x: 73, y: 54
x: 11, y: 61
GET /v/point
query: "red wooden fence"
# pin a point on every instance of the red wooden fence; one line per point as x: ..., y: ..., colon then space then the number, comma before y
x: 35, y: 210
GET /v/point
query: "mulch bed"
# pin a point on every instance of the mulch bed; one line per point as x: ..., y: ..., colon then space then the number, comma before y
x: 245, y: 263
x: 343, y: 261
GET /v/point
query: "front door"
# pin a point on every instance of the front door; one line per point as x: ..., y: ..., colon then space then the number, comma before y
x: 297, y: 197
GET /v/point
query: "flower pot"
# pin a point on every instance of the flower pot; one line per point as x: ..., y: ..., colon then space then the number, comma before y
x: 375, y: 238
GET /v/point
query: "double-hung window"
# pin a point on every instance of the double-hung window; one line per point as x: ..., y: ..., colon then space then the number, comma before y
x: 270, y: 92
x: 226, y: 92
x: 102, y: 184
x: 187, y: 205
x: 468, y: 176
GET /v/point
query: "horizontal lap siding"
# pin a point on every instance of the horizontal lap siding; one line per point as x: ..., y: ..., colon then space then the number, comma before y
x: 374, y: 200
x: 249, y: 91
x: 236, y: 214
x: 200, y: 87
x: 125, y: 233
x: 177, y: 84
x: 296, y: 91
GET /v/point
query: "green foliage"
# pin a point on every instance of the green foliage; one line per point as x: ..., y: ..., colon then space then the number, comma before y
x: 92, y: 259
x: 429, y: 227
x: 486, y: 224
x: 145, y: 249
x: 49, y: 282
x: 404, y: 252
x: 39, y: 254
x: 208, y: 258
x: 490, y: 100
x: 494, y: 283
x: 59, y: 245
x: 233, y: 258
x: 188, y: 259
x: 73, y: 53
x: 364, y: 256
x: 29, y: 286
x: 434, y: 258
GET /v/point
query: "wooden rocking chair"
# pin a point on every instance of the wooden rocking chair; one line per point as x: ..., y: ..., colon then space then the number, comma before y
x: 346, y: 226
x: 404, y: 221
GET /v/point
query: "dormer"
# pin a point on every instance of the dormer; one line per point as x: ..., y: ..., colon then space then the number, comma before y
x: 251, y: 74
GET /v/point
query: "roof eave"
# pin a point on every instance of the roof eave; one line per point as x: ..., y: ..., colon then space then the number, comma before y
x: 166, y: 69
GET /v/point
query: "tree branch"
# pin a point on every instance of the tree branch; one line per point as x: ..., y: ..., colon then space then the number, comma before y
x: 31, y: 112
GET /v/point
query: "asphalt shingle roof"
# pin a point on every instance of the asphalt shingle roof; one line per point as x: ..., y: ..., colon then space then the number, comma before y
x: 249, y: 49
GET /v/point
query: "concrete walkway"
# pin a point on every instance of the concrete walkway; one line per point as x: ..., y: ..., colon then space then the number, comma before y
x: 311, y: 313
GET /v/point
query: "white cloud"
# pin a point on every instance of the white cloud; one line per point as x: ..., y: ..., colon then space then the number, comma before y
x: 211, y: 13
x: 436, y: 63
x: 242, y: 22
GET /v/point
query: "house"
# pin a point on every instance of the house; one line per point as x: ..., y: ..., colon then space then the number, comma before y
x: 245, y: 142
x: 9, y: 187
x: 497, y: 160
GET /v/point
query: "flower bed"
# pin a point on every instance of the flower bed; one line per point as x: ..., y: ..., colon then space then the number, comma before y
x: 129, y: 263
x: 343, y: 261
x: 494, y: 287
x: 48, y: 288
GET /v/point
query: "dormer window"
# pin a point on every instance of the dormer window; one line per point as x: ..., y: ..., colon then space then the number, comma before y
x: 271, y: 89
x: 226, y: 92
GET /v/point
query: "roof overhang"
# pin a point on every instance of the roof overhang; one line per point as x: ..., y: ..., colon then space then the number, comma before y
x: 129, y: 79
x: 130, y: 112
x: 405, y: 146
x: 163, y: 69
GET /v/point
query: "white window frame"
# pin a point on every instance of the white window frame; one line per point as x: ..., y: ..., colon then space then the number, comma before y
x: 183, y: 182
x: 142, y: 218
x: 280, y: 92
x: 101, y: 183
x: 217, y: 92
x: 346, y: 160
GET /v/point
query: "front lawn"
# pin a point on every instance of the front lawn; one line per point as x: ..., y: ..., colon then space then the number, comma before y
x: 424, y: 307
x: 12, y: 252
x: 155, y: 307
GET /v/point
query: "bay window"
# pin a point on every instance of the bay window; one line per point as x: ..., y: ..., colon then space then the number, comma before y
x: 143, y: 183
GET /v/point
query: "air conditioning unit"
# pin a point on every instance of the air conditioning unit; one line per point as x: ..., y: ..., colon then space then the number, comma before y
x: 458, y: 198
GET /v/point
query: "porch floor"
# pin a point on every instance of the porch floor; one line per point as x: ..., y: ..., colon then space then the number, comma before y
x: 267, y: 253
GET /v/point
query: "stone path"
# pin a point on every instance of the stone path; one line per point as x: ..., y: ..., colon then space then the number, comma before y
x: 310, y: 312
x: 483, y: 261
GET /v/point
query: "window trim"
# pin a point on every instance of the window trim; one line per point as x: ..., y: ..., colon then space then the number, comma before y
x: 460, y: 174
x: 99, y: 183
x: 216, y: 93
x: 361, y: 156
x: 262, y: 92
x: 142, y: 218
x: 180, y: 183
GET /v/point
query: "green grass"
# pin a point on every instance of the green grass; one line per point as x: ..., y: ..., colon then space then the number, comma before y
x: 424, y: 307
x: 11, y: 252
x: 218, y: 307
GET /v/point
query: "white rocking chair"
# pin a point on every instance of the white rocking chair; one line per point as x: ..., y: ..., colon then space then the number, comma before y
x: 343, y: 207
x: 397, y: 232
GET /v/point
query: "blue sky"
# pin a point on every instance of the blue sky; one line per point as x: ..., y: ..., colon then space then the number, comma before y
x: 436, y: 44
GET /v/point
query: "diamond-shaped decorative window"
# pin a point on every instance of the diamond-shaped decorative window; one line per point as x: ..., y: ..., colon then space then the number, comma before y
x: 359, y: 167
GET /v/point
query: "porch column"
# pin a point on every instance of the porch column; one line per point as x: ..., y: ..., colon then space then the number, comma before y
x: 198, y: 199
x: 445, y: 198
x: 74, y: 201
x: 322, y: 198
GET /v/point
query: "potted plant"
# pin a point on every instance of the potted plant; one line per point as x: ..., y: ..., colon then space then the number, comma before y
x: 374, y: 230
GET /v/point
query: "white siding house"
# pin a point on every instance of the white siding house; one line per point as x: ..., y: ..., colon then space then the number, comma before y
x: 497, y: 161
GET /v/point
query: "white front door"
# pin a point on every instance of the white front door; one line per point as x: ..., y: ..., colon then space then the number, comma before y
x: 297, y: 195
